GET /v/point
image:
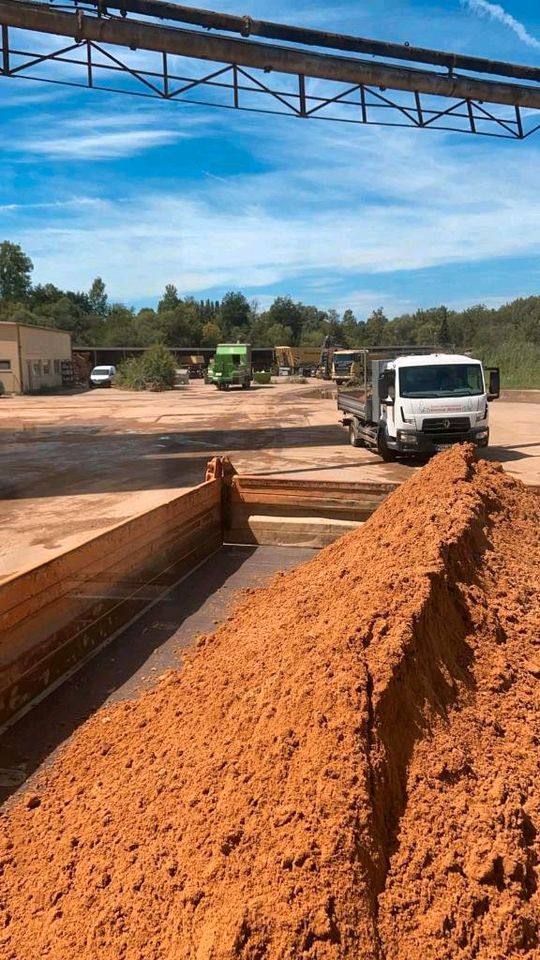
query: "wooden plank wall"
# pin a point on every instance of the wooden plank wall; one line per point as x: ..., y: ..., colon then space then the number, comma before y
x: 311, y: 512
x: 53, y: 616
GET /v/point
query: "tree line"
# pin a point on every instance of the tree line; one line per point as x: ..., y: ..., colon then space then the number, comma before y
x: 508, y: 336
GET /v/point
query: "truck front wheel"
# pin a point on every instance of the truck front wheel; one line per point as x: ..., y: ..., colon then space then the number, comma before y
x: 383, y: 449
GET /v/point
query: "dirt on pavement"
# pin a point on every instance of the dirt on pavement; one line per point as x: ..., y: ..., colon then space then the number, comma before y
x: 72, y: 466
x: 347, y: 768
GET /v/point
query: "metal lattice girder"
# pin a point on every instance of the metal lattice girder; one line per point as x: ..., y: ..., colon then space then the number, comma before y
x: 246, y: 74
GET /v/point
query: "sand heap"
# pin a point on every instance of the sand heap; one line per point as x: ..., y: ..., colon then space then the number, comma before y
x: 347, y: 768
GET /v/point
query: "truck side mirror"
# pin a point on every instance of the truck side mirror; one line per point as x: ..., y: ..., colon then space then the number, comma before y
x: 494, y: 390
x: 386, y: 382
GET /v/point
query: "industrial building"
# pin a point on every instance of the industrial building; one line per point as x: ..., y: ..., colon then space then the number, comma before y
x: 32, y: 357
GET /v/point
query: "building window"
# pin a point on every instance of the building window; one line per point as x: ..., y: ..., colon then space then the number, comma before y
x: 58, y: 366
x: 46, y: 367
x: 5, y: 364
x: 36, y: 367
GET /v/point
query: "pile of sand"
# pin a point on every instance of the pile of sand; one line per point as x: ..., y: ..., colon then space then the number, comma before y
x: 347, y: 768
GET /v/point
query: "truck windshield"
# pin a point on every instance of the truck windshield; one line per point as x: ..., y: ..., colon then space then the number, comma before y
x: 441, y: 380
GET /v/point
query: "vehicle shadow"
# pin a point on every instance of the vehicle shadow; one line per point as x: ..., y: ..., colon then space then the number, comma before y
x: 507, y: 454
x: 70, y: 461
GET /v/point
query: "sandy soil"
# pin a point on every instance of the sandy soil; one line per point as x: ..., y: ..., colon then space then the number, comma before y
x: 71, y: 466
x: 335, y: 773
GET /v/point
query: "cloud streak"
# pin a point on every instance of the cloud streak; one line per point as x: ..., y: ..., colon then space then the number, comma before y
x: 101, y: 136
x: 494, y: 11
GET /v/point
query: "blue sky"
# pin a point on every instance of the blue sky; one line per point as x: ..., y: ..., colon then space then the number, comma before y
x: 145, y: 192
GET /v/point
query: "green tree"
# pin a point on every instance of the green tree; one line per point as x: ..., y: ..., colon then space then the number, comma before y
x: 120, y: 329
x: 334, y: 326
x: 210, y: 334
x: 286, y: 312
x: 275, y: 335
x: 375, y: 328
x: 97, y: 298
x: 170, y: 299
x: 444, y: 330
x: 15, y: 272
x: 235, y: 316
x: 150, y: 327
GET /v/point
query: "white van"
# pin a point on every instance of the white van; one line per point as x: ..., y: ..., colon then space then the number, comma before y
x: 102, y: 376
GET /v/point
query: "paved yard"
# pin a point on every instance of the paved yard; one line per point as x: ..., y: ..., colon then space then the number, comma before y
x: 73, y: 465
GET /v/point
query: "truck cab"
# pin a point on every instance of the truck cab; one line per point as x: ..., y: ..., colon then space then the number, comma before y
x: 434, y: 401
x: 231, y: 366
x: 344, y: 365
x: 418, y: 404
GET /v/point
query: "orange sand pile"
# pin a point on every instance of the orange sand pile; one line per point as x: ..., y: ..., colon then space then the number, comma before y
x: 347, y: 768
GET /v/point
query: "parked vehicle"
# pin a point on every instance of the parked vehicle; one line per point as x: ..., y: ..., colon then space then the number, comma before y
x: 300, y: 360
x: 412, y: 401
x: 345, y: 365
x: 181, y: 376
x: 231, y: 366
x: 102, y: 376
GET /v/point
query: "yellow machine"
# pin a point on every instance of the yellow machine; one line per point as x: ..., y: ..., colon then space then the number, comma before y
x: 345, y: 365
x: 297, y: 359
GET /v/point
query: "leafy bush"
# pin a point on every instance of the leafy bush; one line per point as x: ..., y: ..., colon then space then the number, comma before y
x: 154, y: 370
x: 261, y: 376
x: 159, y: 368
x: 130, y: 374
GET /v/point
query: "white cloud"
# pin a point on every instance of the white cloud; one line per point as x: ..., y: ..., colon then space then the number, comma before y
x: 331, y: 208
x: 198, y: 245
x: 98, y: 135
x: 100, y: 145
x: 495, y: 12
x: 363, y: 302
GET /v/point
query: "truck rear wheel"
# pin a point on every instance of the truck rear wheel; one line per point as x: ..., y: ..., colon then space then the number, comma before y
x: 354, y: 439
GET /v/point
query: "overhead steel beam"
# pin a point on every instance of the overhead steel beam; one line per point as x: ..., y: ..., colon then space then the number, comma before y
x: 267, y: 57
x: 247, y: 26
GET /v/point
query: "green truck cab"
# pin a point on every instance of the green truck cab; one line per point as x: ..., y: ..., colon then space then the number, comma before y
x: 231, y: 365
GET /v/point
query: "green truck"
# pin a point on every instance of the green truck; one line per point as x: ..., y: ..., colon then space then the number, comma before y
x: 231, y: 365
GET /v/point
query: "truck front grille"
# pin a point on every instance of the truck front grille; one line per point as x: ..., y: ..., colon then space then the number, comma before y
x: 446, y: 425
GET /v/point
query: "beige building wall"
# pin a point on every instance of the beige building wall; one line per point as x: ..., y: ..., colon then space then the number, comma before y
x: 10, y: 370
x: 35, y: 356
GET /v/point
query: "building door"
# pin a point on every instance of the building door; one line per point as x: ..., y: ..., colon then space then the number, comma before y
x: 29, y: 371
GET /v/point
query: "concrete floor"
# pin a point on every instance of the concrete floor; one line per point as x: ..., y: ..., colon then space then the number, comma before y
x: 71, y: 466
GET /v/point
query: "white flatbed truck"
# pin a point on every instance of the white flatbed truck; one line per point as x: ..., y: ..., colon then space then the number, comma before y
x: 409, y: 401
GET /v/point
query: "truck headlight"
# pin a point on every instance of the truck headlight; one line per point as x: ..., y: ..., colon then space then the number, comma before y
x: 482, y: 434
x: 405, y: 436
